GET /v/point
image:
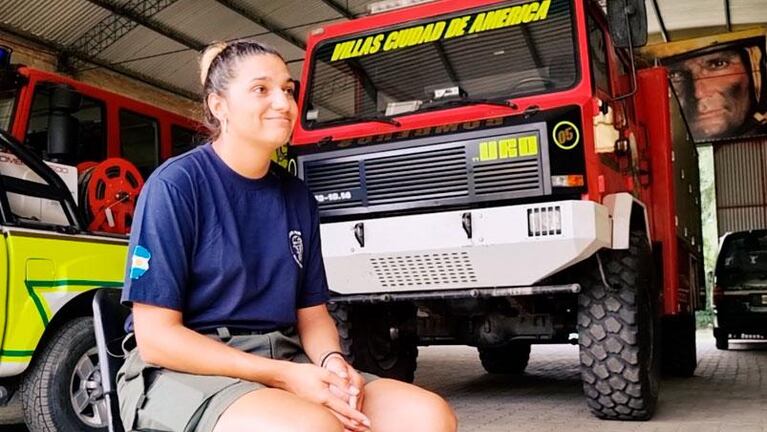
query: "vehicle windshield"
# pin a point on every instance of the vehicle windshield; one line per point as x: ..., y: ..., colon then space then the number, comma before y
x: 487, y: 54
x: 7, y: 103
x: 743, y: 260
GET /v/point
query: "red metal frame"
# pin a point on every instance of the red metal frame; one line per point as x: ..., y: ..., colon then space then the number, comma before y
x: 653, y: 107
x: 113, y: 103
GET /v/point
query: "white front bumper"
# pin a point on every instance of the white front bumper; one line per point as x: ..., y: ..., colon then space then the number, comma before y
x: 433, y: 251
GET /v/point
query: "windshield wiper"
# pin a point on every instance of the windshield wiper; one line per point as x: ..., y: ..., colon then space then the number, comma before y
x: 468, y: 101
x: 373, y: 118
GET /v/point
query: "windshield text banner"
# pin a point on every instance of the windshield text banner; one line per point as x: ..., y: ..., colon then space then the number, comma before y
x: 442, y: 30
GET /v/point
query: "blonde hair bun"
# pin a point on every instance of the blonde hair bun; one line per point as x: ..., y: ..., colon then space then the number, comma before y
x: 210, y: 53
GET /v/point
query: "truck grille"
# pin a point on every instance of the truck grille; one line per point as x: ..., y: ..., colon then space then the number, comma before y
x: 327, y: 178
x: 424, y: 270
x: 425, y: 176
x: 415, y: 177
x: 497, y: 177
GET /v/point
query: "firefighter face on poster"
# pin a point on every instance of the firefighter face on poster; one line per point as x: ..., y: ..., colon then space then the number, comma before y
x: 720, y: 90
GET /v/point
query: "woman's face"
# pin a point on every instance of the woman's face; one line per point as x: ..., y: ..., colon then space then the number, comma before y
x: 259, y: 101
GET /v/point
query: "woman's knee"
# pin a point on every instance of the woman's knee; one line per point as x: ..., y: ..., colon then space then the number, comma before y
x: 435, y: 413
x: 272, y: 409
x: 393, y: 405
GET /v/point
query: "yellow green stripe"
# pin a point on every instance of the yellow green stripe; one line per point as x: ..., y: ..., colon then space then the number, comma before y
x: 16, y: 353
x: 32, y: 285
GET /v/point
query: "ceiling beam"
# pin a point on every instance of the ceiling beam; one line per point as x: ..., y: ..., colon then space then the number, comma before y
x: 341, y: 10
x: 661, y: 23
x: 83, y: 56
x: 150, y: 23
x: 263, y: 22
x: 113, y: 27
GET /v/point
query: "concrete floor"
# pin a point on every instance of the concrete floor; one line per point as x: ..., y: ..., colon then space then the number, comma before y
x: 728, y: 393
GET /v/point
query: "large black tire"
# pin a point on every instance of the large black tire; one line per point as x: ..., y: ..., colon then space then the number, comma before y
x: 66, y: 369
x: 370, y: 344
x: 680, y: 356
x: 618, y: 334
x: 508, y: 359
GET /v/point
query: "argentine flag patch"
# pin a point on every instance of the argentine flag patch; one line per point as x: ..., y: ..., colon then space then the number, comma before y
x: 139, y: 262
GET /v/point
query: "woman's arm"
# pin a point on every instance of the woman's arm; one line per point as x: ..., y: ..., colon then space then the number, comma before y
x: 317, y: 331
x: 163, y: 340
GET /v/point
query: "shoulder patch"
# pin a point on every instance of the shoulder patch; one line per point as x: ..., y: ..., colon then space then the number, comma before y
x: 139, y: 262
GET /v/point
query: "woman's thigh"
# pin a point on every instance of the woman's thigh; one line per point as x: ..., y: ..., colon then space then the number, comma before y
x: 271, y: 409
x: 395, y: 406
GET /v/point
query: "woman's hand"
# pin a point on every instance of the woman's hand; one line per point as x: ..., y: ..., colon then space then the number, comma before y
x: 314, y: 384
x: 340, y: 367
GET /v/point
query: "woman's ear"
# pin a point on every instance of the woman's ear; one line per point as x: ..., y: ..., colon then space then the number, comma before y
x: 218, y: 107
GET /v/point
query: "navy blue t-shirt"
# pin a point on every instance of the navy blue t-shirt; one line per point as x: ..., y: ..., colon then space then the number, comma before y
x: 223, y: 249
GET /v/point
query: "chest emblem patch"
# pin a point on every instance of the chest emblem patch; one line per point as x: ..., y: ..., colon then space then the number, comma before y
x: 297, y: 247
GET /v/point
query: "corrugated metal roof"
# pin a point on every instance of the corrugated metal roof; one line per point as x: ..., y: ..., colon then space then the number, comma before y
x: 207, y: 20
x: 60, y: 20
x: 290, y: 13
x: 152, y: 51
x: 137, y: 43
x: 181, y: 66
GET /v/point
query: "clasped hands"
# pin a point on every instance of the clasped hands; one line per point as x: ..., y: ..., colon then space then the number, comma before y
x: 336, y: 385
x: 352, y: 392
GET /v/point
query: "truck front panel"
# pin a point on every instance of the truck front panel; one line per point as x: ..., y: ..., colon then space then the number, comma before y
x: 515, y: 245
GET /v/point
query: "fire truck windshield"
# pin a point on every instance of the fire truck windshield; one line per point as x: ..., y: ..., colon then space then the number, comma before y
x: 491, y: 53
x: 7, y: 103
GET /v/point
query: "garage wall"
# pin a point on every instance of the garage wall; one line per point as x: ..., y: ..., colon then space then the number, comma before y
x: 741, y: 185
x: 36, y: 56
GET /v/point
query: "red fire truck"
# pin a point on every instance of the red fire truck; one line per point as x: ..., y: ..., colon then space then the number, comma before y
x: 499, y: 174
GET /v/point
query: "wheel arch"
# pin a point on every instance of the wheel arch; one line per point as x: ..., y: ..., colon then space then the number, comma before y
x: 627, y: 213
x: 79, y: 306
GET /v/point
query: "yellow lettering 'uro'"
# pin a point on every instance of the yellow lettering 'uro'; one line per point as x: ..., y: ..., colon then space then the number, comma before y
x: 508, y: 148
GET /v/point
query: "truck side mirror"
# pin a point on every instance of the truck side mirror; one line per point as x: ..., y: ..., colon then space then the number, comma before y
x: 62, y: 126
x: 628, y: 22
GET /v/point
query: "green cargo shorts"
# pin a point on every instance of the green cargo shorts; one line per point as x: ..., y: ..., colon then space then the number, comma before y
x: 157, y: 399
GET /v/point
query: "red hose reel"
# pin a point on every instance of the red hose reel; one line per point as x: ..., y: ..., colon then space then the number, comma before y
x: 108, y: 194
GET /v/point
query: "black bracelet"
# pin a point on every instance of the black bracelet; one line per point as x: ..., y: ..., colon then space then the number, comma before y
x: 327, y: 356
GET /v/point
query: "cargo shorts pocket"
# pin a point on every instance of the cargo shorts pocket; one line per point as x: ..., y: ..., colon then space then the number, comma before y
x: 131, y: 388
x: 173, y: 399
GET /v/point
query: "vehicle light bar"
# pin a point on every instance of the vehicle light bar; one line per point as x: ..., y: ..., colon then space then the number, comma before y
x: 388, y: 5
x: 544, y: 221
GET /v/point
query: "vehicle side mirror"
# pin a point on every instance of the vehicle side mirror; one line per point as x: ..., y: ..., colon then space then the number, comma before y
x: 628, y: 22
x: 62, y: 125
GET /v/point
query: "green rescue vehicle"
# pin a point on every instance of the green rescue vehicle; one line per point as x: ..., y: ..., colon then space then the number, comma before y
x: 72, y: 159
